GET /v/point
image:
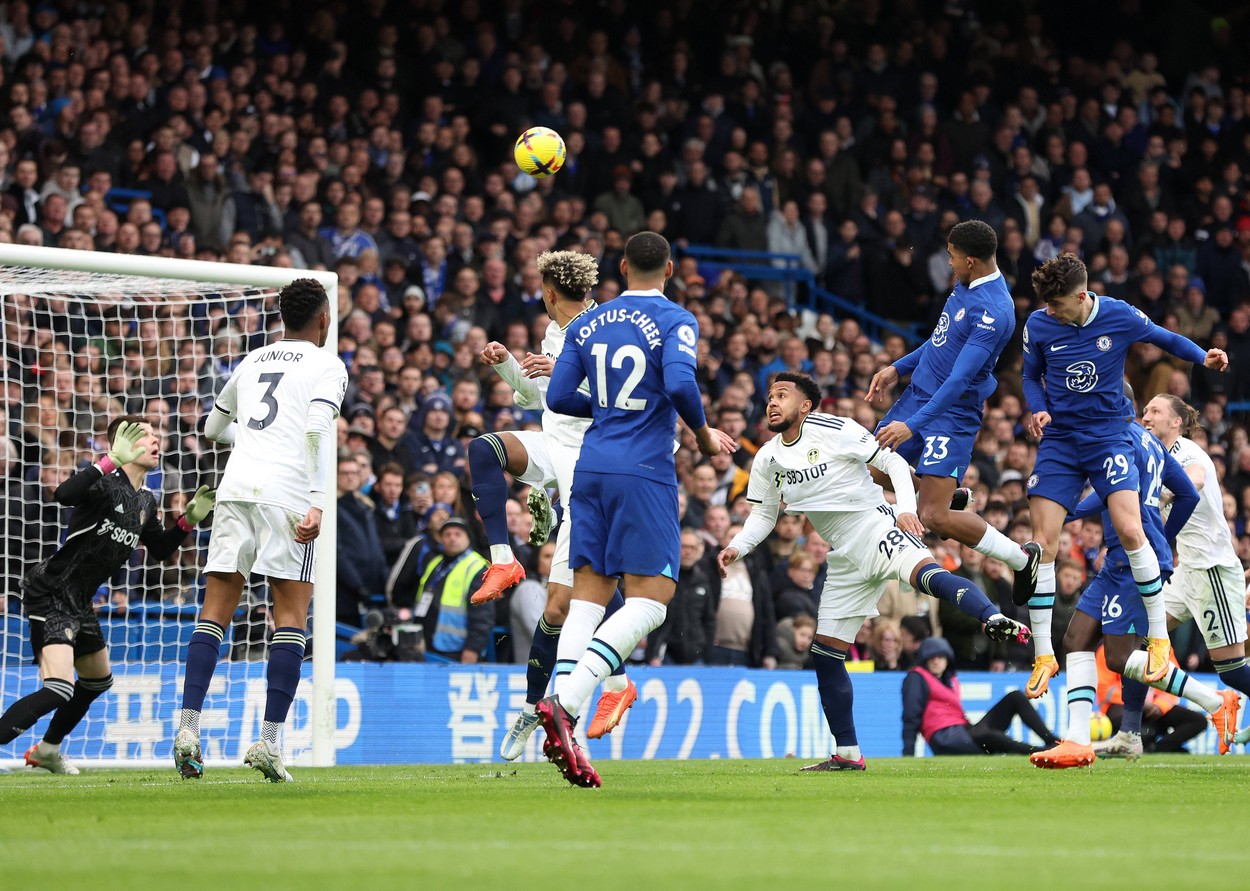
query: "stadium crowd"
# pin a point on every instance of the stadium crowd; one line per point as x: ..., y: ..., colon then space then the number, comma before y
x: 375, y: 139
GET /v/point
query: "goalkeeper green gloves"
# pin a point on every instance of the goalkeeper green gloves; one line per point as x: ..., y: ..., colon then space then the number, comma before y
x: 200, y: 505
x: 125, y: 447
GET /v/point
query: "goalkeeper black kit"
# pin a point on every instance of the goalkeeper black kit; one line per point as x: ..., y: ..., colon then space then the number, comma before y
x: 110, y: 519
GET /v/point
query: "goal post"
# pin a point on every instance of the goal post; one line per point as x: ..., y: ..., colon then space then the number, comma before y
x: 73, y: 293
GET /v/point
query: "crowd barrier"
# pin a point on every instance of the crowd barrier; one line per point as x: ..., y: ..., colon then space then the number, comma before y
x: 441, y: 714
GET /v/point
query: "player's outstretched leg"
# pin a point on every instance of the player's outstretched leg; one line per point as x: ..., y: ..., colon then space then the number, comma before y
x: 22, y: 715
x: 938, y: 582
x: 1221, y: 705
x: 837, y: 699
x: 488, y: 456
x: 47, y: 753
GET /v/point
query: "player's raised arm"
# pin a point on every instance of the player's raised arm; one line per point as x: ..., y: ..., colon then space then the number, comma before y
x: 126, y: 447
x: 889, y: 376
x: 1182, y: 347
x: 528, y: 392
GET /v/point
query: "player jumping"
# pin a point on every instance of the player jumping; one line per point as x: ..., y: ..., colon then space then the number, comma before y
x: 113, y: 514
x: 286, y: 397
x: 1074, y: 353
x: 818, y: 465
x: 541, y: 459
x: 1111, y: 608
x: 1207, y: 585
x: 638, y: 354
x: 935, y: 423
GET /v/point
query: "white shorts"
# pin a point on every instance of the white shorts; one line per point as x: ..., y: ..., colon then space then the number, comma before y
x: 1214, y: 598
x: 876, y: 552
x: 250, y: 537
x: 552, y: 464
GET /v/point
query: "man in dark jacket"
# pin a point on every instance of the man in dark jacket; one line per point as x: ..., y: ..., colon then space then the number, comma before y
x: 395, y: 520
x: 690, y: 625
x: 361, y: 561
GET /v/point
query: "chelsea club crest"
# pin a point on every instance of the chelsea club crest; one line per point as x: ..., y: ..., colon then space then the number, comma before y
x: 1104, y: 343
x: 959, y: 316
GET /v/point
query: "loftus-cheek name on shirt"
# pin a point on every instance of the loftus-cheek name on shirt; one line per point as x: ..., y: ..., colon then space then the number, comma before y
x: 650, y: 329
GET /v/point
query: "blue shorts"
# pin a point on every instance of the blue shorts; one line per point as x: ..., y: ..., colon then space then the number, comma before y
x: 943, y: 447
x: 624, y: 524
x: 1113, y: 600
x: 1065, y: 463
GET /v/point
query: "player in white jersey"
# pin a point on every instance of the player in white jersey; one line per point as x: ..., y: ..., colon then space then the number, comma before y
x: 818, y: 465
x: 542, y: 460
x: 285, y: 398
x: 1208, y: 584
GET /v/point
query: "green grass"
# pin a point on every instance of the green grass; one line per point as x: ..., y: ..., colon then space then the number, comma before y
x: 964, y: 823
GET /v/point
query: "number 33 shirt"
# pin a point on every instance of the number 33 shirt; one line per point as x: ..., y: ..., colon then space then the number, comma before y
x: 269, y: 395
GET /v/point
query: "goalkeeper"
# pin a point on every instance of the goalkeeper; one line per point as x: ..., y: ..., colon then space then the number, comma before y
x: 114, y: 514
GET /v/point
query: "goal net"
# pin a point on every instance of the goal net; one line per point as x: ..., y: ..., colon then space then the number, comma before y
x: 88, y: 337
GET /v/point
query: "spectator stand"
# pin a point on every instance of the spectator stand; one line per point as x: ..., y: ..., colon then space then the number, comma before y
x: 788, y: 269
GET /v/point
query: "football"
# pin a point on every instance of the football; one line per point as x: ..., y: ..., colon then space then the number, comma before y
x: 1099, y: 727
x: 539, y: 151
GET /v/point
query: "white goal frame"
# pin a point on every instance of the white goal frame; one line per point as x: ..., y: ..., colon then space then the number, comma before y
x: 323, y: 634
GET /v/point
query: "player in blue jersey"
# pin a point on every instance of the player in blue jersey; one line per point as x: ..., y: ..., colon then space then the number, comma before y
x: 935, y: 423
x: 1111, y: 608
x: 637, y: 353
x: 1074, y: 353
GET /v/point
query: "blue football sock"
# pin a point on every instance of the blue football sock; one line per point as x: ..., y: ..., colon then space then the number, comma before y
x: 542, y: 660
x: 1235, y: 673
x: 837, y: 697
x: 1134, y: 695
x: 937, y: 582
x: 617, y: 601
x: 202, y: 655
x: 286, y: 654
x: 487, y: 459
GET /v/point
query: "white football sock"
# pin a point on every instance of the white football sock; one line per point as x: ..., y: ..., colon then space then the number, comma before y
x: 615, y: 683
x: 1174, y: 681
x: 1000, y: 547
x: 1145, y: 566
x: 1040, y: 617
x: 612, y: 644
x: 1082, y: 691
x: 501, y: 555
x: 579, y: 627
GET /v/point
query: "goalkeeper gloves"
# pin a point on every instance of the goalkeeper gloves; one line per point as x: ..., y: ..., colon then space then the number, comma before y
x: 125, y: 447
x: 200, y: 504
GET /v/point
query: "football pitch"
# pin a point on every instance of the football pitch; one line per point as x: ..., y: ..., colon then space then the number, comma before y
x: 960, y: 823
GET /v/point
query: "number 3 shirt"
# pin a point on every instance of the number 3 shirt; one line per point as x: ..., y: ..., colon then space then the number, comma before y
x: 269, y: 394
x: 1076, y: 372
x: 638, y: 354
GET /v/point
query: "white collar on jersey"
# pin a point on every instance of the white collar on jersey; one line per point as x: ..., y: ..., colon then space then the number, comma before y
x: 1093, y: 312
x: 650, y: 292
x: 986, y: 278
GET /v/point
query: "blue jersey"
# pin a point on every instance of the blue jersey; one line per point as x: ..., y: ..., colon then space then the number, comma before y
x: 981, y: 316
x: 637, y: 353
x: 1076, y: 372
x: 1156, y: 468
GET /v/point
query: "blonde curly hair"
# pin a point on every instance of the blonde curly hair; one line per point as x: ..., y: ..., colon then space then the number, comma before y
x: 572, y: 273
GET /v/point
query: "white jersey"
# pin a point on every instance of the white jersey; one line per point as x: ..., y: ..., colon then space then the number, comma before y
x: 269, y: 394
x: 823, y: 473
x: 532, y: 392
x: 1204, y: 541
